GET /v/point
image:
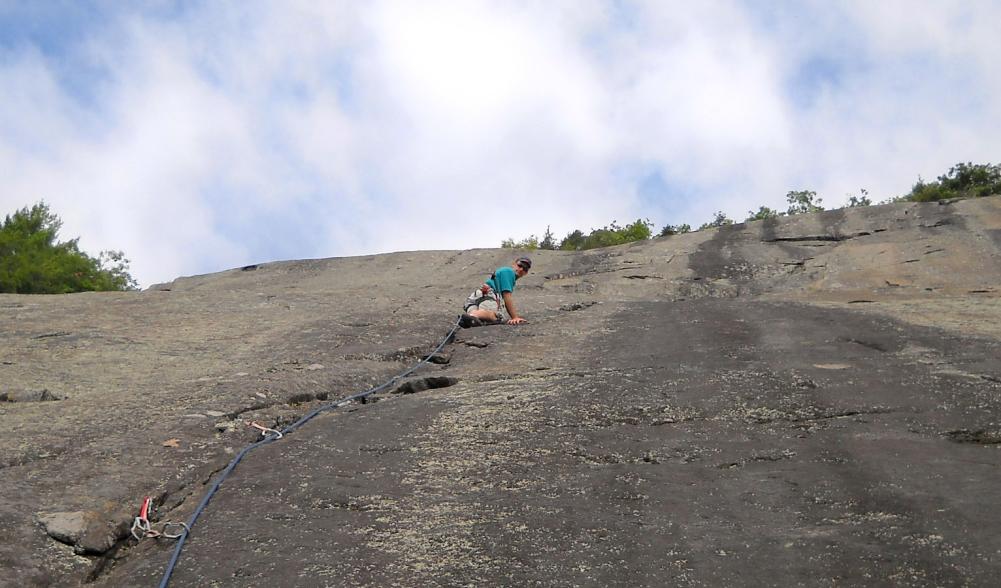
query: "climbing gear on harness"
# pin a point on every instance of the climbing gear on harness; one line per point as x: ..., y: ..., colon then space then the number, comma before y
x: 486, y: 293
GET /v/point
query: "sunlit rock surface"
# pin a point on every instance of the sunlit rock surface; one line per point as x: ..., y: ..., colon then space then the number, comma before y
x: 813, y: 400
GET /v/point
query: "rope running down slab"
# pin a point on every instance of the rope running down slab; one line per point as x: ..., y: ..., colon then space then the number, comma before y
x: 165, y: 580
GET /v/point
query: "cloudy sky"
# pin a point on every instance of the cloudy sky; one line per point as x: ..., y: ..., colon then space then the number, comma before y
x: 200, y: 136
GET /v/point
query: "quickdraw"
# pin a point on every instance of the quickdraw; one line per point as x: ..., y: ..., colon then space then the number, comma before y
x: 265, y: 430
x: 142, y: 528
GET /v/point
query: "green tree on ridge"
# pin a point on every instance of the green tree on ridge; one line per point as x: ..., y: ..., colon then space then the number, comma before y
x: 33, y: 261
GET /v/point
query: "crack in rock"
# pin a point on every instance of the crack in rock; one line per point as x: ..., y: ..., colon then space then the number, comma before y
x: 578, y: 306
x: 305, y: 397
x: 868, y: 344
x: 808, y: 238
x: 404, y: 354
x: 54, y: 334
x: 382, y: 449
x: 759, y: 457
x: 977, y: 437
x: 30, y: 396
x: 340, y: 504
x: 807, y: 415
x: 428, y: 383
x: 257, y: 406
x: 23, y: 460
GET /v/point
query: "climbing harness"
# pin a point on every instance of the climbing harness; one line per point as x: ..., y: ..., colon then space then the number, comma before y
x: 486, y: 293
x: 267, y: 436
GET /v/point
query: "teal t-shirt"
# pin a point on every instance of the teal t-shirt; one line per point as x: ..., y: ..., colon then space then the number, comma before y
x: 502, y: 280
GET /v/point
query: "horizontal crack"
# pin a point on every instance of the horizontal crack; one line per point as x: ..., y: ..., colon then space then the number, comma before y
x: 544, y: 375
x: 770, y: 457
x: 820, y: 416
x: 578, y: 274
x: 406, y: 354
x: 30, y: 396
x: 24, y: 460
x: 843, y: 414
x: 55, y: 334
x: 939, y: 223
x: 870, y: 345
x: 827, y: 238
x: 977, y: 437
x: 428, y: 383
x: 258, y: 406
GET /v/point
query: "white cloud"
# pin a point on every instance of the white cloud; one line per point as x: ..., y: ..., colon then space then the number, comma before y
x: 221, y: 134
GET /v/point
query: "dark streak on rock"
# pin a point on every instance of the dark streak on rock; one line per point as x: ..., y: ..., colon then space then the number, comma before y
x: 306, y: 397
x: 54, y: 334
x: 938, y: 223
x: 807, y: 238
x: 30, y: 396
x: 428, y: 383
x: 870, y: 345
x: 977, y: 437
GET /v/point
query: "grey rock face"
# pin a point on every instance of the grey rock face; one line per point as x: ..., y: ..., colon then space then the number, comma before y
x: 89, y: 532
x: 804, y: 401
x: 67, y: 527
x: 43, y: 395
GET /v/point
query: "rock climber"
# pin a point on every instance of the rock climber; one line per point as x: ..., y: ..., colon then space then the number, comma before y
x: 484, y: 305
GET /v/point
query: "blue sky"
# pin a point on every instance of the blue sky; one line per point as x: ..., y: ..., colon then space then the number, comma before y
x: 199, y: 136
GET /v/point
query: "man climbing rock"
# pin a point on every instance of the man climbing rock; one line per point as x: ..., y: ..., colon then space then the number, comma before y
x: 484, y: 305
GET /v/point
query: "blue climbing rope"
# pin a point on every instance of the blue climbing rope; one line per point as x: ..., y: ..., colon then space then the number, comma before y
x: 165, y: 580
